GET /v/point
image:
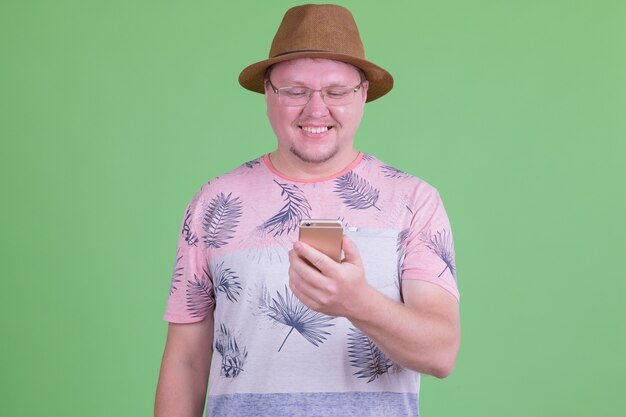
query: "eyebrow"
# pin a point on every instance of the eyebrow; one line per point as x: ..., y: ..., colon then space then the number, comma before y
x: 297, y: 82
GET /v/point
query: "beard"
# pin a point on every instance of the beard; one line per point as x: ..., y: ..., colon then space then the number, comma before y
x: 315, y: 159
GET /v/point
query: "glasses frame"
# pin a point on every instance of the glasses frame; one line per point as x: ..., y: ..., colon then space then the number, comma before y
x: 277, y: 91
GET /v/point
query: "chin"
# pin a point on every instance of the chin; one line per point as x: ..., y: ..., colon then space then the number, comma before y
x: 313, y: 157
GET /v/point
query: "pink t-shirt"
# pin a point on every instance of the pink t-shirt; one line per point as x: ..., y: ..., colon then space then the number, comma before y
x: 232, y: 262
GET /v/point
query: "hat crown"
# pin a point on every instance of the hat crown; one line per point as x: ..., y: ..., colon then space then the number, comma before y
x: 318, y: 27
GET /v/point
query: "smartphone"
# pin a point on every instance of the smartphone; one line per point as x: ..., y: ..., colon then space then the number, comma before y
x: 323, y: 235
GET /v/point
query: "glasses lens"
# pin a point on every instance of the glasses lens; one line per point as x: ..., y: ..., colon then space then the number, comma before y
x: 300, y: 96
x: 338, y: 96
x: 294, y: 96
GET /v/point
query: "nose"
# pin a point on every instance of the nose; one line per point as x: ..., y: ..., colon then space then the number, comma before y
x: 316, y: 106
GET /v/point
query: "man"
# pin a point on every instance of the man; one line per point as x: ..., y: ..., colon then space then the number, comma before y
x: 282, y: 329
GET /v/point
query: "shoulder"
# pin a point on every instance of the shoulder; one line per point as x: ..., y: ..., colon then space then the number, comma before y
x: 391, y: 176
x: 228, y: 186
x: 234, y: 178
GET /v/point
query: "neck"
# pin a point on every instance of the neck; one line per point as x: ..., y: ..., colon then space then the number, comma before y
x: 300, y: 170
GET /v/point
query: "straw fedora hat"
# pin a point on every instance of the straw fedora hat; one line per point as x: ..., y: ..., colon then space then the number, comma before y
x: 318, y: 31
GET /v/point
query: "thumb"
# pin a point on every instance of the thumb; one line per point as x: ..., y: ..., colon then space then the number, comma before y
x: 351, y: 252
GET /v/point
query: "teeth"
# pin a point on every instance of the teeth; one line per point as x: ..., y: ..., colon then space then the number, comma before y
x: 315, y: 130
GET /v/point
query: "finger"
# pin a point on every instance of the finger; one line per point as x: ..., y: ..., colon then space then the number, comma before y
x: 307, y: 289
x: 307, y: 278
x: 294, y: 258
x: 302, y: 295
x: 351, y: 252
x: 299, y: 264
x: 316, y: 258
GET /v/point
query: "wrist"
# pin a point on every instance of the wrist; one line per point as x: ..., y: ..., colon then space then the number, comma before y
x: 364, y: 302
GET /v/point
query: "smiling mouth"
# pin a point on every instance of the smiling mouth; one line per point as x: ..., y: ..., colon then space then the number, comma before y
x: 316, y: 130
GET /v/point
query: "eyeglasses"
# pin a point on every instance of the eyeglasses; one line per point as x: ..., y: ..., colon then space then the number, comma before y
x: 300, y: 96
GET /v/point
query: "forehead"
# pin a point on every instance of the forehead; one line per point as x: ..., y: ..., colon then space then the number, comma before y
x: 315, y: 69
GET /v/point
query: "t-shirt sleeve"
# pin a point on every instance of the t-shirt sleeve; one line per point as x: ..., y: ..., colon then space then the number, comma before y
x: 191, y: 296
x: 429, y: 246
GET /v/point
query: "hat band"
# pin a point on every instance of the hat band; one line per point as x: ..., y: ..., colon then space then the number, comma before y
x: 297, y: 51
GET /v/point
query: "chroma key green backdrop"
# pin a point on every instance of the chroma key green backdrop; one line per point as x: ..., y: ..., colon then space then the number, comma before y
x: 113, y: 113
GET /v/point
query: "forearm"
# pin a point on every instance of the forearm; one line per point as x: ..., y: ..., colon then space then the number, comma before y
x: 181, y: 391
x: 413, y: 337
x: 422, y: 333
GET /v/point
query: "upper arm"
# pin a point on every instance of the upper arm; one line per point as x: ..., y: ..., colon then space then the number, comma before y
x: 431, y: 300
x: 191, y: 343
x: 185, y: 369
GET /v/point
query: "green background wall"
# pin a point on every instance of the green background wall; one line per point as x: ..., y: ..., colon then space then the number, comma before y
x: 113, y: 114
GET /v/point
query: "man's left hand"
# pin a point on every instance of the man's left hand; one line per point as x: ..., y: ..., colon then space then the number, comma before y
x: 324, y: 285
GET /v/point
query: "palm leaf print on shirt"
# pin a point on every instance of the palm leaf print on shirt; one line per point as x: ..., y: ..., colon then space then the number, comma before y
x: 221, y: 219
x: 178, y: 272
x: 189, y: 236
x: 442, y: 245
x: 391, y: 172
x: 295, y: 209
x: 233, y: 357
x: 401, y: 251
x: 364, y: 355
x: 288, y: 310
x: 356, y: 192
x: 226, y: 282
x: 199, y: 295
x: 252, y: 164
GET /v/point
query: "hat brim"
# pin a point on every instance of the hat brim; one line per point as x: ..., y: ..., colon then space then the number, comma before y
x: 380, y: 81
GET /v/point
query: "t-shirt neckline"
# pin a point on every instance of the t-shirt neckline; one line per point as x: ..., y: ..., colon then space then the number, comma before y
x: 353, y: 164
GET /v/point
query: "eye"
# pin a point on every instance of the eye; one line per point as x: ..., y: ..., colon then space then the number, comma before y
x: 295, y: 92
x: 337, y: 92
